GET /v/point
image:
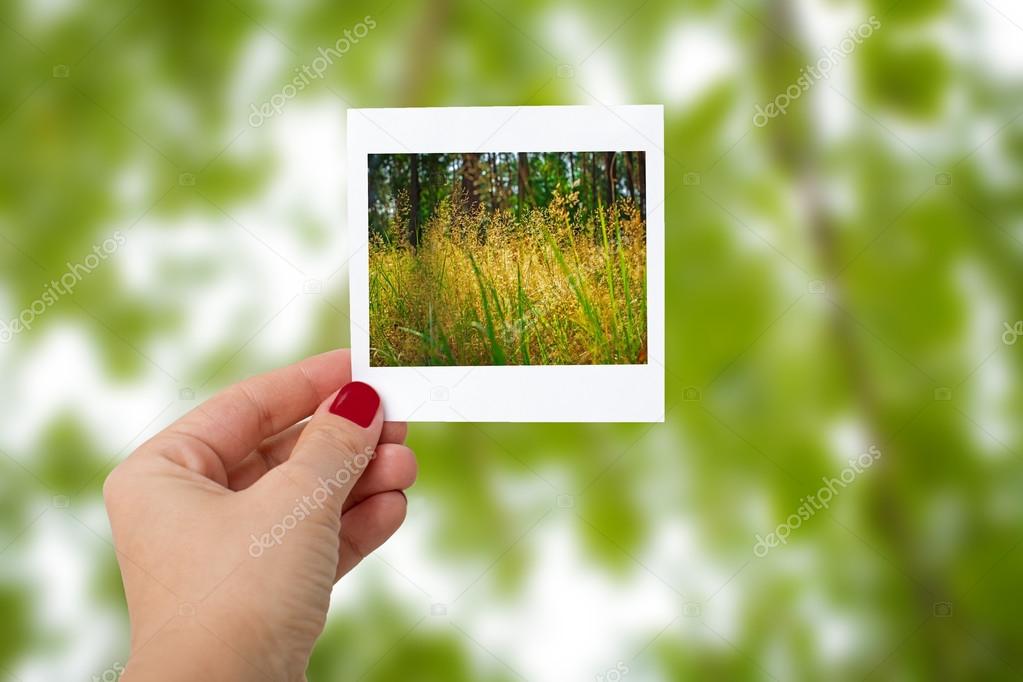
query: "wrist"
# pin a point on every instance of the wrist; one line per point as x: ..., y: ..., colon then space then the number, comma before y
x: 191, y: 651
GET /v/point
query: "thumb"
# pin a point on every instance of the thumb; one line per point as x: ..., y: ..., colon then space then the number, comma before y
x: 337, y: 445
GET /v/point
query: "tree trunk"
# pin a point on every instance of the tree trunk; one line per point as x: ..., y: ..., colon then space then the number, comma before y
x: 470, y: 175
x: 494, y: 180
x: 524, y: 189
x: 609, y: 165
x: 629, y: 171
x: 642, y: 183
x: 413, y: 213
x: 593, y: 184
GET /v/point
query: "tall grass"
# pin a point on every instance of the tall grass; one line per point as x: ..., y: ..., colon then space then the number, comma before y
x: 488, y: 288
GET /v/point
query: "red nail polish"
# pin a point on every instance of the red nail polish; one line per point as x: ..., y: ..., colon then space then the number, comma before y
x: 357, y: 402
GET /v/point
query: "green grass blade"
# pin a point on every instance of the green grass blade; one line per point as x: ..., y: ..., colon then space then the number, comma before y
x: 497, y: 354
x: 609, y: 273
x: 624, y: 271
x: 597, y: 330
x: 523, y: 309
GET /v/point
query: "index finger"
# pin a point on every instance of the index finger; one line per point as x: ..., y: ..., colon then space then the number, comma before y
x: 235, y: 421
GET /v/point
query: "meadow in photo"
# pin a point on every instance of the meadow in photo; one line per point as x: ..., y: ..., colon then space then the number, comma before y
x: 507, y: 258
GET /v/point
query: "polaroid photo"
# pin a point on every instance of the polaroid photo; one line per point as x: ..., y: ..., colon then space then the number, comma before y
x: 507, y: 263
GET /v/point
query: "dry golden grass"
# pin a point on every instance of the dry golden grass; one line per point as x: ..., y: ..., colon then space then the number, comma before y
x: 489, y: 289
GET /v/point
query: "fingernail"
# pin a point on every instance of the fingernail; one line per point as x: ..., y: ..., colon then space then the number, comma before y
x: 357, y: 402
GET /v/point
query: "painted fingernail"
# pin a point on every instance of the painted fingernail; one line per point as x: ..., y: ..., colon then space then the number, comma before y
x: 357, y: 402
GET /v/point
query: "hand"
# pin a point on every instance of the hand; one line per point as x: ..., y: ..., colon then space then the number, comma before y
x: 233, y: 524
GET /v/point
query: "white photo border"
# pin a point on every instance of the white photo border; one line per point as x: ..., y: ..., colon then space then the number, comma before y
x: 514, y: 393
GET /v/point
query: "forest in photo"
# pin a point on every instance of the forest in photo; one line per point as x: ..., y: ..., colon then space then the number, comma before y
x: 520, y: 258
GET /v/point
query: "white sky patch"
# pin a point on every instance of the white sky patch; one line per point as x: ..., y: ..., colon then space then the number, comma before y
x: 771, y: 239
x: 60, y: 557
x: 599, y: 74
x: 826, y: 25
x: 1000, y: 26
x: 132, y: 184
x: 837, y: 101
x: 595, y: 619
x: 176, y: 110
x: 602, y: 78
x: 849, y: 438
x: 309, y: 182
x: 565, y: 29
x: 839, y: 636
x: 833, y: 115
x: 986, y: 136
x: 41, y: 14
x: 261, y: 73
x: 210, y: 306
x: 990, y: 389
x: 63, y: 373
x: 696, y: 56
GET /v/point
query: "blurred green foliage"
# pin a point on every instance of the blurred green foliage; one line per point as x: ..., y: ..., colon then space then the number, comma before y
x: 897, y: 187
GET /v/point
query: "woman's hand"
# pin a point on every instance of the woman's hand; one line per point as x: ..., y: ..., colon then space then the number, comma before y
x: 233, y: 524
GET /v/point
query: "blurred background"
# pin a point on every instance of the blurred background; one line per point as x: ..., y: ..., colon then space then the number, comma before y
x: 841, y: 276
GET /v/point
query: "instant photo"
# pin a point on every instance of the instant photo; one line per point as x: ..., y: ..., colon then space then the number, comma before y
x: 507, y: 263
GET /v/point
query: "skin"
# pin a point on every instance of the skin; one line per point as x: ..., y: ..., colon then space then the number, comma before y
x: 206, y: 600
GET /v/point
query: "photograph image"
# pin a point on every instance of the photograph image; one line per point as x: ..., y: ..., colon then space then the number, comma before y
x: 507, y: 258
